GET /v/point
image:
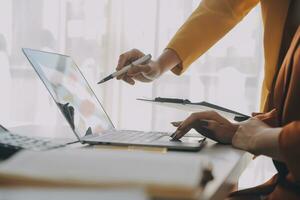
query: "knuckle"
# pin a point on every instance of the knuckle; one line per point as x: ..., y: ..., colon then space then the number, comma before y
x: 213, y: 114
x: 134, y: 50
x: 137, y: 52
x: 122, y: 56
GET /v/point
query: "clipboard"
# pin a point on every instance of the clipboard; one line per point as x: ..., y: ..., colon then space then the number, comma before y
x: 187, y: 105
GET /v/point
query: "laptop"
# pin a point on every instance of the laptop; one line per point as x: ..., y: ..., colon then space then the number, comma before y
x: 84, y: 112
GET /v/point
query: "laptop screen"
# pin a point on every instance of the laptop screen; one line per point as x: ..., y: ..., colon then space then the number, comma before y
x: 71, y: 92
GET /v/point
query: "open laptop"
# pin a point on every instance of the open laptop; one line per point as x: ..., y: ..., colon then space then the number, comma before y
x: 84, y: 112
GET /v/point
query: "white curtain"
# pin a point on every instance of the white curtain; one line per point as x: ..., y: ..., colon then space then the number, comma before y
x: 96, y: 32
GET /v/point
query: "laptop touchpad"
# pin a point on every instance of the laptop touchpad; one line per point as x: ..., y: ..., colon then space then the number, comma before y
x: 167, y: 139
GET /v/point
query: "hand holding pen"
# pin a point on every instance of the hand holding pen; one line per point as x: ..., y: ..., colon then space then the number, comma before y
x: 134, y: 65
x: 148, y: 71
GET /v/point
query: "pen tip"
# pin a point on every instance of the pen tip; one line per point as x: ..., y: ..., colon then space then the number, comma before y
x: 105, y: 79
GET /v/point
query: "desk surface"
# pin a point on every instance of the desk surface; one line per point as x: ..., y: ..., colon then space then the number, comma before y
x: 227, y: 162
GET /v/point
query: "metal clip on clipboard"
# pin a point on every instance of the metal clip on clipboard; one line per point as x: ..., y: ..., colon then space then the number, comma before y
x: 187, y: 105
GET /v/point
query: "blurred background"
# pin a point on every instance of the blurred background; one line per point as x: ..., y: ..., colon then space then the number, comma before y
x: 95, y: 32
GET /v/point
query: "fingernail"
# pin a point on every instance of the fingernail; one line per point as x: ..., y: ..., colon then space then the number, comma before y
x: 173, y: 139
x: 175, y: 124
x: 176, y: 137
x: 173, y: 135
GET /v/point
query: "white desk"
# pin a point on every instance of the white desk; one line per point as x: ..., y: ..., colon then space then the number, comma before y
x: 228, y: 163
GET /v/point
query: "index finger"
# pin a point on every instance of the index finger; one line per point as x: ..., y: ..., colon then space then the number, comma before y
x: 123, y: 59
x: 128, y: 57
x: 184, y: 127
x: 180, y: 132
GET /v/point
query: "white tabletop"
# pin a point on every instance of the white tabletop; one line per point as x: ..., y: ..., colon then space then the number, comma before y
x: 227, y: 162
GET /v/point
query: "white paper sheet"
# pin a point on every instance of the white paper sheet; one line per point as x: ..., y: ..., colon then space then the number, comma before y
x: 108, y: 166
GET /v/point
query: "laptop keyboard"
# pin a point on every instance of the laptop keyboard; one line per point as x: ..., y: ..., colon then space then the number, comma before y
x: 15, y: 141
x: 124, y: 136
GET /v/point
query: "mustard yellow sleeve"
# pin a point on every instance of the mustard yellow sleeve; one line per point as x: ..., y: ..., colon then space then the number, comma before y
x: 207, y: 24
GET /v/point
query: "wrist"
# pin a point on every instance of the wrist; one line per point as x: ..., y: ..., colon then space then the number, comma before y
x: 157, y: 68
x: 242, y: 140
x: 167, y: 60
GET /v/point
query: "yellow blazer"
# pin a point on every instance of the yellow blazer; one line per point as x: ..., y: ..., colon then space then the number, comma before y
x: 214, y: 18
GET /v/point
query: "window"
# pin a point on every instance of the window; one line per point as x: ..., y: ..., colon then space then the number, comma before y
x: 95, y: 33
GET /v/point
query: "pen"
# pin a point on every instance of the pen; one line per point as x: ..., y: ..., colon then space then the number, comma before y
x: 139, y: 61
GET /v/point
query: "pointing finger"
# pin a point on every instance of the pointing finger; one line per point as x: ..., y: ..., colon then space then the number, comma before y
x: 128, y: 57
x: 188, y: 121
x: 123, y: 58
x: 179, y: 133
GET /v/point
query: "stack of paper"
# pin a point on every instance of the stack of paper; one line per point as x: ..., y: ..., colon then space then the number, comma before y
x: 171, y: 174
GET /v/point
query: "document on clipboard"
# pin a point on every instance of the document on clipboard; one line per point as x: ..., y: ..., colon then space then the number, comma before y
x: 187, y: 105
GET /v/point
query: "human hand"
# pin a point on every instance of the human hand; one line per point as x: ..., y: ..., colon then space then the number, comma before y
x: 210, y: 124
x: 145, y: 72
